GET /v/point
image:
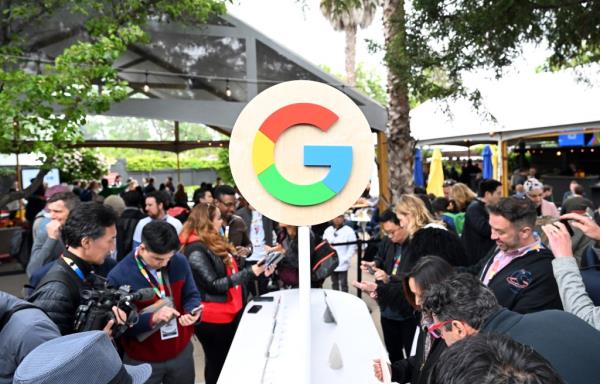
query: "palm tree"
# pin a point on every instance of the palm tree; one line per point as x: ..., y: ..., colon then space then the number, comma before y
x: 348, y: 16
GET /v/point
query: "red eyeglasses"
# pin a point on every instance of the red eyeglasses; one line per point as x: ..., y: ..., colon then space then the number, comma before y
x: 434, y: 329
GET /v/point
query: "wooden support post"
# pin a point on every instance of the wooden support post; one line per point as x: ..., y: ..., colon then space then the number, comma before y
x: 504, y: 178
x: 383, y: 170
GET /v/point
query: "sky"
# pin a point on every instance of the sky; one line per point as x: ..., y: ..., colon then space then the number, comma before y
x: 307, y: 32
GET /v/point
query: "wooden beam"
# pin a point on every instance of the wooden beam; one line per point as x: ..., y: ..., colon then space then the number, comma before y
x: 383, y: 170
x: 504, y: 165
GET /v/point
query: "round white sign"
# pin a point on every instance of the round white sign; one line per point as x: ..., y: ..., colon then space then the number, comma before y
x: 301, y: 152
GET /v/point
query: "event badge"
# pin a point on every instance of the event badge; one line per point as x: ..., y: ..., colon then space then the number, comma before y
x: 169, y: 330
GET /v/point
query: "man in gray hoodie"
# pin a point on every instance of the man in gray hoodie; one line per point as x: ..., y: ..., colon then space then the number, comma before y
x: 22, y: 328
x: 571, y: 288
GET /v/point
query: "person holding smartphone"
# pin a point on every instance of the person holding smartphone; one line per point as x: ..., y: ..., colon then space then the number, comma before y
x: 221, y: 277
x: 576, y: 293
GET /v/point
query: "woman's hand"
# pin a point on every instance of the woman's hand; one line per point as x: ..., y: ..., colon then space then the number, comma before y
x: 559, y: 239
x: 378, y: 369
x: 277, y: 248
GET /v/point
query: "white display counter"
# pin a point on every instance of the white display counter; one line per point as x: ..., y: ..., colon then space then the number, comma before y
x: 267, y: 345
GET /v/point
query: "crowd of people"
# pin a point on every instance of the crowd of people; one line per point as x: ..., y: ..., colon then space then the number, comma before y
x: 202, y: 260
x: 485, y: 281
x: 501, y: 268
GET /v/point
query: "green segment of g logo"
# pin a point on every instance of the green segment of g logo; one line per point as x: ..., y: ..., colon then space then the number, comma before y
x: 338, y: 158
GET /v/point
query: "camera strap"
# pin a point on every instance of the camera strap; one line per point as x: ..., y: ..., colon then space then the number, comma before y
x: 74, y: 267
x: 160, y: 291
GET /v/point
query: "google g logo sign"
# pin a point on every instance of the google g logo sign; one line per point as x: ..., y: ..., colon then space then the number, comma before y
x: 301, y: 152
x: 339, y: 158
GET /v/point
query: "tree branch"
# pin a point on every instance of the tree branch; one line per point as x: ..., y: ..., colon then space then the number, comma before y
x: 35, y: 184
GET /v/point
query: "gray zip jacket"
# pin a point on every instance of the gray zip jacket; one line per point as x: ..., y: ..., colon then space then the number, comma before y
x: 25, y: 330
x: 572, y: 291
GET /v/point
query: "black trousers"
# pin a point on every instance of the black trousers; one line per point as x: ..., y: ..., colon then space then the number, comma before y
x: 398, y: 336
x: 339, y: 281
x: 257, y: 286
x: 216, y: 340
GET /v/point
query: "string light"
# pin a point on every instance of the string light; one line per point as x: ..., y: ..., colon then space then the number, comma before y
x: 227, y: 89
x: 146, y: 86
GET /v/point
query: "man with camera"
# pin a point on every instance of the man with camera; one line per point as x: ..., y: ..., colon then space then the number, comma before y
x: 89, y: 236
x: 164, y: 329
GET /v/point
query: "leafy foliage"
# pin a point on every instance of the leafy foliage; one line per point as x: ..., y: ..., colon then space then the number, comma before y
x: 85, y: 164
x: 451, y: 37
x: 368, y: 82
x: 44, y: 102
x: 150, y: 162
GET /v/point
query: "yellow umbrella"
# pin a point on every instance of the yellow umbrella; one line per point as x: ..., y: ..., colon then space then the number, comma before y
x: 495, y: 160
x: 436, y: 174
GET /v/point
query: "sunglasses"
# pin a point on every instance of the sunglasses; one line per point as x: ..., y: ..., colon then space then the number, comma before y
x: 435, y: 329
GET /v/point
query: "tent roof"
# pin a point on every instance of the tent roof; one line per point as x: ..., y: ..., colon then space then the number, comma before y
x: 201, y: 74
x: 523, y: 105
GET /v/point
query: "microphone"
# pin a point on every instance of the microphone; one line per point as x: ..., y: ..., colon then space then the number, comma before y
x: 143, y: 294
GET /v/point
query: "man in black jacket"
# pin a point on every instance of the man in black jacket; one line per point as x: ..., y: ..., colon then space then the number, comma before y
x: 89, y: 236
x: 519, y: 270
x: 461, y: 306
x: 398, y: 321
x: 476, y: 235
x: 127, y: 222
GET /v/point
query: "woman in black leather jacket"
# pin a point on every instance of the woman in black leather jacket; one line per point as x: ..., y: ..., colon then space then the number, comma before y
x: 220, y: 276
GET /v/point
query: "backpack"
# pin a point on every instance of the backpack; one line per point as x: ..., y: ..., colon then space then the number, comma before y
x: 458, y: 219
x: 324, y: 261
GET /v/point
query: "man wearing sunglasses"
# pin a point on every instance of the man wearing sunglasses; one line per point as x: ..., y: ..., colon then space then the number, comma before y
x: 462, y: 306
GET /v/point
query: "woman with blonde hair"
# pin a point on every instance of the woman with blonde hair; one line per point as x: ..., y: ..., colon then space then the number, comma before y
x: 220, y: 277
x: 462, y: 196
x: 426, y: 235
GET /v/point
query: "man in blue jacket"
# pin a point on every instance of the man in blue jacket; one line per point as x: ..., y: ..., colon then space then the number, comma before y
x: 162, y: 335
x: 22, y: 328
x: 462, y: 306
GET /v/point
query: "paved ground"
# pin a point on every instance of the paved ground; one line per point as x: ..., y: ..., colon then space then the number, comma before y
x: 14, y: 283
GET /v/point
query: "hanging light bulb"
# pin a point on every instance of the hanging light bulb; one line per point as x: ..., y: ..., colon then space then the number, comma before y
x: 227, y: 89
x: 146, y: 86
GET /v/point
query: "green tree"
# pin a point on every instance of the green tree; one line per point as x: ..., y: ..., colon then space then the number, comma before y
x: 430, y: 44
x: 44, y: 102
x: 347, y: 16
x: 84, y: 164
x: 368, y: 82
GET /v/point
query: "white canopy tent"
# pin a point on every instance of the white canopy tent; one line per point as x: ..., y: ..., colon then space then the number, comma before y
x: 523, y: 105
x: 515, y: 107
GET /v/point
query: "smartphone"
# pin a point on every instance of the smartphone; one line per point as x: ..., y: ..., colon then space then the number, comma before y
x: 255, y: 308
x: 263, y: 298
x: 196, y: 310
x: 261, y: 261
x: 371, y: 270
x: 565, y: 222
x: 274, y: 258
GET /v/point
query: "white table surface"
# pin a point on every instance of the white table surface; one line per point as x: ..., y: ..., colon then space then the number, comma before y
x: 354, y: 334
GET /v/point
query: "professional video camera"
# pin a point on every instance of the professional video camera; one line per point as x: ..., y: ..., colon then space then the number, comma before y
x: 96, y: 308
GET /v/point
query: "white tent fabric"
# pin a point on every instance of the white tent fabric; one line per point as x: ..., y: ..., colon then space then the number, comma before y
x: 522, y: 105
